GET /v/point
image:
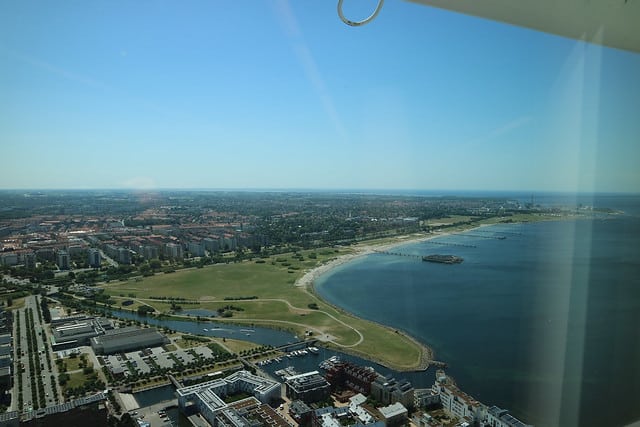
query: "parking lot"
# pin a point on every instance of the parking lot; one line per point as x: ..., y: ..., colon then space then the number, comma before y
x: 143, y: 361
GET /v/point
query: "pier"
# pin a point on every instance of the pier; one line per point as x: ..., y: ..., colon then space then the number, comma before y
x: 398, y: 254
x: 511, y: 233
x: 481, y: 236
x: 438, y: 364
x: 460, y: 245
x: 296, y: 345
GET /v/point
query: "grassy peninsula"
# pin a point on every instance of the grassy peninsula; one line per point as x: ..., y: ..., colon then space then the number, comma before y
x: 277, y: 291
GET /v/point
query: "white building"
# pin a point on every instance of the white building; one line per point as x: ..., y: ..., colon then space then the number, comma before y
x: 394, y: 415
x: 173, y: 251
x: 357, y: 411
x: 458, y: 403
x: 206, y: 398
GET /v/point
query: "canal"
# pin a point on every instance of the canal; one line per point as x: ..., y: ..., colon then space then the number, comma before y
x: 262, y: 336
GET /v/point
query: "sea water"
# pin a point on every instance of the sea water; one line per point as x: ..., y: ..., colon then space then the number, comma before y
x: 541, y: 318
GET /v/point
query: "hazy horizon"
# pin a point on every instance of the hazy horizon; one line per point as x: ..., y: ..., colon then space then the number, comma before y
x: 435, y: 192
x: 147, y: 96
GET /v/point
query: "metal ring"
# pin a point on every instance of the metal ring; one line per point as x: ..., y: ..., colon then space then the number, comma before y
x: 364, y: 21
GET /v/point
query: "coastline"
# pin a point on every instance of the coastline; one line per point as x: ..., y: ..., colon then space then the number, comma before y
x: 427, y: 358
x: 363, y: 249
x: 307, y: 282
x: 360, y: 250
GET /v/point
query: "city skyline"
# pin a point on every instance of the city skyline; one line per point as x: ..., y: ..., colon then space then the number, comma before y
x: 279, y: 95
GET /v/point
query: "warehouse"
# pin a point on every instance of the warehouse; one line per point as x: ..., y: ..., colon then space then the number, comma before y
x: 77, y: 330
x: 127, y: 339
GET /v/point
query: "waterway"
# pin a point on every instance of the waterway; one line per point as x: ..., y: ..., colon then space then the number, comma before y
x: 256, y: 334
x: 155, y: 395
x: 543, y: 322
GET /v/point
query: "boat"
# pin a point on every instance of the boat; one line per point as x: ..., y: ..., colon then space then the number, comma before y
x: 329, y: 363
x: 313, y: 350
x: 205, y: 329
x: 443, y: 259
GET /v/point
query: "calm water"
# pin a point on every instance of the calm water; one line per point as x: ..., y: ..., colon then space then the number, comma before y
x: 155, y: 395
x: 258, y: 335
x: 545, y: 322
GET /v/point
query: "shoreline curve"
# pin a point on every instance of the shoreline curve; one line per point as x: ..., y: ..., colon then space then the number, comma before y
x: 307, y: 281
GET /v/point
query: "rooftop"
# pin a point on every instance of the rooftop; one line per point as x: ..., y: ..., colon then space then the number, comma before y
x: 393, y: 410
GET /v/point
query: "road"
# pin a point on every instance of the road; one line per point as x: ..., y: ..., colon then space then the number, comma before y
x: 30, y: 317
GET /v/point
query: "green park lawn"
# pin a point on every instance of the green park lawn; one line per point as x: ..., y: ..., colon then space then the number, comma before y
x: 278, y: 304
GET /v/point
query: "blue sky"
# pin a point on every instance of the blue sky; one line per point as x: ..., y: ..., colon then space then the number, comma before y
x: 282, y: 94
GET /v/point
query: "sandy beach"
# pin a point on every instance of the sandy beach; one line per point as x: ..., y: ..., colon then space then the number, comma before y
x: 308, y: 279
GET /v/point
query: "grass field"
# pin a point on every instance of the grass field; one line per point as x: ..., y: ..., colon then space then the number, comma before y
x: 278, y: 303
x: 73, y: 363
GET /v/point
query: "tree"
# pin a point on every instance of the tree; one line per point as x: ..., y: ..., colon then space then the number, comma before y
x: 145, y: 268
x: 144, y: 309
x: 155, y: 264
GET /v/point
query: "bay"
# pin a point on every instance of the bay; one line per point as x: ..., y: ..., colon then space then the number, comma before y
x: 544, y: 322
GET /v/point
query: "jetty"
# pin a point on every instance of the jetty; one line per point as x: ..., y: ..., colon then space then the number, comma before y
x: 398, y: 254
x: 511, y: 233
x: 481, y: 236
x: 460, y: 245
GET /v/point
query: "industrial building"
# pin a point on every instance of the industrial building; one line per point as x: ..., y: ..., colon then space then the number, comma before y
x: 76, y: 331
x: 127, y: 339
x: 207, y: 398
x: 309, y: 387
